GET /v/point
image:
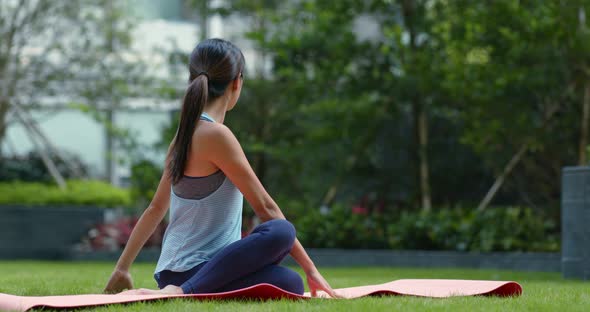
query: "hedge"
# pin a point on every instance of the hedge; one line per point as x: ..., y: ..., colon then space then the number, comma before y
x: 460, y: 229
x: 78, y: 193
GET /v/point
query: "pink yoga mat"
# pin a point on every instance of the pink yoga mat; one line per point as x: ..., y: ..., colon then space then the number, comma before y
x: 435, y: 288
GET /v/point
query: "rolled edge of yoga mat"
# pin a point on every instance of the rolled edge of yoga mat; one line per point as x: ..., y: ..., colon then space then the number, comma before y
x: 434, y: 288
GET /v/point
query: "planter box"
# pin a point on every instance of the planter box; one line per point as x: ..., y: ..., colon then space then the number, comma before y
x: 43, y: 232
x: 575, y: 222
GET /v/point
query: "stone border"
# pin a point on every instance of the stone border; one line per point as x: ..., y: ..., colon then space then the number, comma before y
x: 541, y: 262
x: 145, y: 255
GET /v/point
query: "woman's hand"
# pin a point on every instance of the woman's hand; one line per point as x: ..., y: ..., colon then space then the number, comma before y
x: 119, y: 281
x: 316, y: 282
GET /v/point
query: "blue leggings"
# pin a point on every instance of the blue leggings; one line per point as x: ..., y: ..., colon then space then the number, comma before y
x: 252, y: 260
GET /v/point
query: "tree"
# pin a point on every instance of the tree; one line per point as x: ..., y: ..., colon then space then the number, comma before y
x: 335, y: 88
x: 285, y: 108
x: 452, y: 94
x: 414, y: 49
x: 54, y: 53
x: 579, y: 51
x: 320, y: 70
x: 509, y: 74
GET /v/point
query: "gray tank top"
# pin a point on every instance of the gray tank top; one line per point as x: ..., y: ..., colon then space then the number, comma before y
x: 198, y: 187
x: 201, y: 227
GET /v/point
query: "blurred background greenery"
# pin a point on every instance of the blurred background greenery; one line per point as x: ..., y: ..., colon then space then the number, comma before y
x: 426, y: 124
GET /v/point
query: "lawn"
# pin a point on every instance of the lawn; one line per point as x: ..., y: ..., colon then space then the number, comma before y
x: 542, y: 291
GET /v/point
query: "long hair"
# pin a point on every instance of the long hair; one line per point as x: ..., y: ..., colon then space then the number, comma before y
x: 213, y: 65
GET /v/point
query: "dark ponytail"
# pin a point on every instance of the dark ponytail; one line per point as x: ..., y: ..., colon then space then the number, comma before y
x: 213, y: 65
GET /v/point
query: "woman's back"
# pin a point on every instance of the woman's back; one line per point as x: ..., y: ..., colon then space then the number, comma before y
x: 198, y: 162
x: 205, y: 216
x: 200, y: 177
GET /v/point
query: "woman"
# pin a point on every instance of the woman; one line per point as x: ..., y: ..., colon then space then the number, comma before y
x: 205, y: 175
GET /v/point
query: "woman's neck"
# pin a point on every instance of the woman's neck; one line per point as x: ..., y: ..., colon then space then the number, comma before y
x: 217, y: 110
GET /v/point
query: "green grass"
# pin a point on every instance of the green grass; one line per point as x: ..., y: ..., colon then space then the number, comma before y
x: 542, y: 291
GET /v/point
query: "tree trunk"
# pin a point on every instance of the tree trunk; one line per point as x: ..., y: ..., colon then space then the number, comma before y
x: 261, y: 159
x: 3, y: 112
x: 513, y: 162
x: 422, y: 148
x: 583, y: 144
x: 418, y: 109
x: 32, y: 125
x: 110, y: 152
x: 265, y: 110
x: 109, y: 156
x: 502, y: 177
x: 350, y: 162
x: 204, y: 17
x: 333, y: 189
x: 45, y: 157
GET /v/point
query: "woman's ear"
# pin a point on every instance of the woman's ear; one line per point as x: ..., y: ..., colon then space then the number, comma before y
x: 236, y: 84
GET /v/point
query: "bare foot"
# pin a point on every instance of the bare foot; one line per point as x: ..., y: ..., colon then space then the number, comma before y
x: 172, y: 290
x: 168, y: 290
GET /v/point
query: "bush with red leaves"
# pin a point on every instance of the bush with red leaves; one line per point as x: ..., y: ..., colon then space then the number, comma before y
x: 114, y: 236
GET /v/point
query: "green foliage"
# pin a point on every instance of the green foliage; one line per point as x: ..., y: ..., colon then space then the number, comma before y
x: 78, y: 193
x: 512, y: 71
x: 496, y: 229
x: 314, y: 103
x: 145, y: 176
x: 341, y: 229
x: 505, y: 65
x: 338, y: 111
x: 30, y: 167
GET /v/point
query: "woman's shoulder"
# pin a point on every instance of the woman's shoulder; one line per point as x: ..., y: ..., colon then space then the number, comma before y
x: 213, y: 135
x: 212, y: 130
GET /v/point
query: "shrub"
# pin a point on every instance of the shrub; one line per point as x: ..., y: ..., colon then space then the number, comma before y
x: 496, y: 229
x: 114, y: 235
x: 145, y: 177
x: 341, y: 229
x: 77, y: 193
x: 31, y: 168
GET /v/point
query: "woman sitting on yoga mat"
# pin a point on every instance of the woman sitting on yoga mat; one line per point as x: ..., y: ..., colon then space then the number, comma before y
x: 205, y: 175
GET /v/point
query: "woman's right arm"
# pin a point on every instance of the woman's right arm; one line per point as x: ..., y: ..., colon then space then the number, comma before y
x: 145, y: 227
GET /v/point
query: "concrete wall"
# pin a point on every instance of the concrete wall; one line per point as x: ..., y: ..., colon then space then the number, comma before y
x: 575, y: 222
x: 43, y: 232
x: 542, y: 262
